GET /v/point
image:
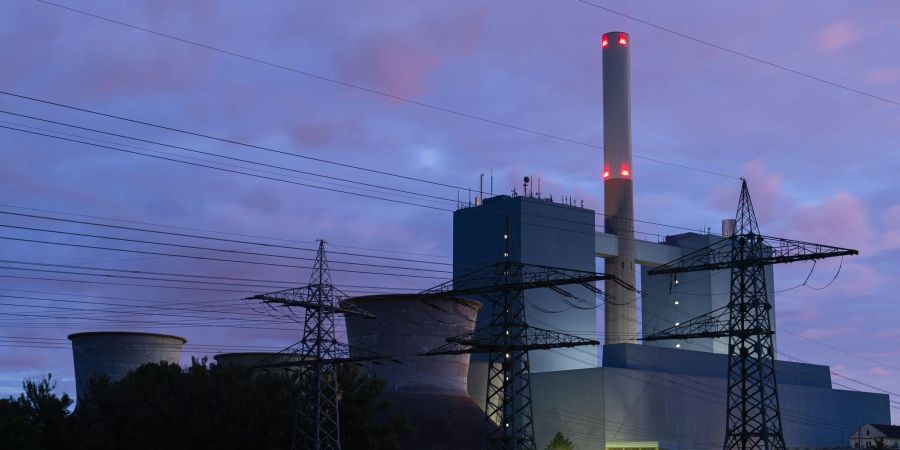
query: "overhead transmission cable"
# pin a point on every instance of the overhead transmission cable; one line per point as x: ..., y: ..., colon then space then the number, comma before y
x: 196, y: 236
x: 742, y: 54
x: 227, y: 233
x: 444, y: 199
x: 217, y: 155
x: 359, y: 88
x: 193, y: 247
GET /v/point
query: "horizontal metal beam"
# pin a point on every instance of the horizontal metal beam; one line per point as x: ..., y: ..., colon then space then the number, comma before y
x: 646, y: 253
x: 722, y: 255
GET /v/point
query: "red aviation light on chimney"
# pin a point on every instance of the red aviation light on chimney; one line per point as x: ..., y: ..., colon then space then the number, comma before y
x: 606, y: 173
x: 604, y: 42
x: 622, y: 40
x: 625, y: 172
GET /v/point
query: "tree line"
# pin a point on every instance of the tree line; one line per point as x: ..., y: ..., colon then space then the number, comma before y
x: 202, y: 406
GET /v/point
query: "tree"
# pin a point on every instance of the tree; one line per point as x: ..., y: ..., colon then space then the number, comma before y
x: 199, y: 407
x: 366, y: 421
x: 222, y: 407
x: 36, y: 419
x: 559, y: 442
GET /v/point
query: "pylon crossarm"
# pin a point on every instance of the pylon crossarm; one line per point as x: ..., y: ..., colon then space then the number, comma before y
x: 710, y: 325
x: 337, y: 353
x: 496, y: 278
x: 490, y: 340
x: 539, y: 338
x: 719, y: 255
x: 346, y: 308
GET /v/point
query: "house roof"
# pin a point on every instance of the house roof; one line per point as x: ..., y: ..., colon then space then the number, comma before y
x: 890, y: 431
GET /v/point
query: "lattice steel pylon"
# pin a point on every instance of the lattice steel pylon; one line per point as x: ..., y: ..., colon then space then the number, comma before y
x: 508, y: 338
x: 753, y: 416
x: 317, y: 418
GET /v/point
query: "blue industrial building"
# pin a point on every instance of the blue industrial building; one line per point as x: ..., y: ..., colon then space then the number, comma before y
x: 641, y: 396
x: 666, y: 395
x: 668, y: 300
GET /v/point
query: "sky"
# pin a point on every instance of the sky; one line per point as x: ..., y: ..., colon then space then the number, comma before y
x: 503, y: 87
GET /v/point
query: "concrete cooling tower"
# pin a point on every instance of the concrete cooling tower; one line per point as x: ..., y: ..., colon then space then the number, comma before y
x: 429, y: 391
x: 113, y: 354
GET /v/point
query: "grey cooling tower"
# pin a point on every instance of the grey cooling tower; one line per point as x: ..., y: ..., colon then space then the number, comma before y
x: 113, y: 354
x: 430, y: 391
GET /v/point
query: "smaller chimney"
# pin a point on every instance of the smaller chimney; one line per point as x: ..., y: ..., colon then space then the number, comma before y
x: 727, y: 227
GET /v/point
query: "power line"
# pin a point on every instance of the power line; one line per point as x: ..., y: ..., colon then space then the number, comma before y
x: 741, y: 54
x: 267, y: 165
x: 360, y: 88
x: 171, y: 274
x: 129, y: 277
x: 317, y: 187
x: 379, y: 290
x: 195, y: 236
x: 110, y: 283
x: 194, y: 247
x: 294, y: 241
x: 246, y: 161
x: 226, y: 140
x: 34, y: 216
x: 307, y: 185
x: 449, y: 200
x: 119, y: 149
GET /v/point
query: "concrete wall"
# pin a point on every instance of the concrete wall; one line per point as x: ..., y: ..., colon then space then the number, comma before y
x: 544, y: 233
x: 667, y: 405
x: 405, y: 328
x: 696, y: 293
x: 114, y: 354
x: 429, y: 391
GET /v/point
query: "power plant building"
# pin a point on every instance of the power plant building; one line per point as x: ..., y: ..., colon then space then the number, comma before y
x: 665, y: 395
x: 662, y: 395
x: 542, y: 232
x: 669, y: 300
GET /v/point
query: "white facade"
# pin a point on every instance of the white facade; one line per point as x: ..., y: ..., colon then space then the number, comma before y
x: 876, y: 436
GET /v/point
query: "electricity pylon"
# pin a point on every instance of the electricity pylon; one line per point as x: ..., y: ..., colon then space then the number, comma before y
x: 317, y: 418
x: 508, y: 338
x: 753, y: 416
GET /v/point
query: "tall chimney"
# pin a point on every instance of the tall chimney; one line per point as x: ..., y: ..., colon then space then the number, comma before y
x: 620, y: 313
x: 728, y: 227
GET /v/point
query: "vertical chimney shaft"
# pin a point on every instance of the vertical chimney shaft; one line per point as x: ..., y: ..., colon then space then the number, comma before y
x: 728, y: 227
x: 620, y: 312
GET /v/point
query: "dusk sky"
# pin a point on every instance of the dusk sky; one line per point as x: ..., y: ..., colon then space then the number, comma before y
x: 514, y: 88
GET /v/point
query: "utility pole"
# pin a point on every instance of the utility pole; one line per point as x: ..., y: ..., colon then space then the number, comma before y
x: 753, y: 414
x: 508, y: 338
x: 317, y: 418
